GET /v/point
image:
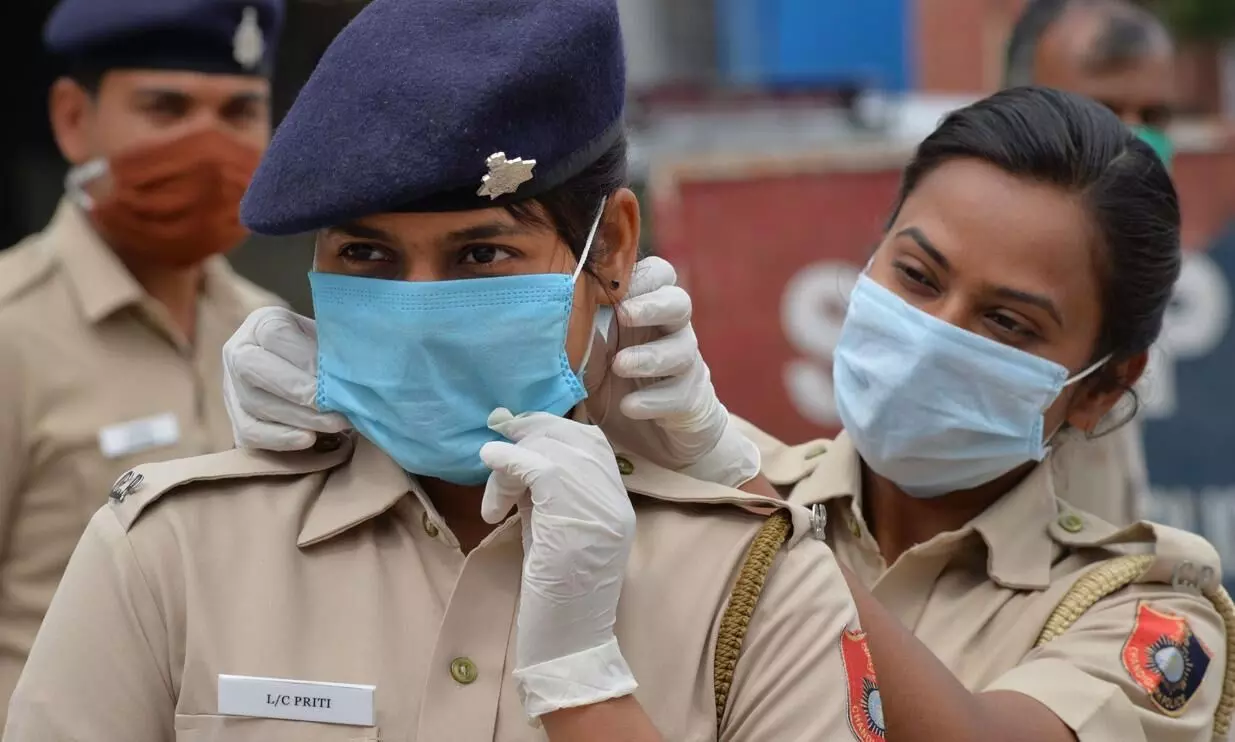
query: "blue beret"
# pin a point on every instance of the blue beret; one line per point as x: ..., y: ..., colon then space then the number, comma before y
x: 417, y: 101
x: 222, y: 36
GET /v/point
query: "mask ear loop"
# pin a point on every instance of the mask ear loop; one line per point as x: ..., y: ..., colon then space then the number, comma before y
x: 77, y: 178
x: 1050, y: 440
x: 600, y: 316
x: 1087, y: 371
x: 587, y: 247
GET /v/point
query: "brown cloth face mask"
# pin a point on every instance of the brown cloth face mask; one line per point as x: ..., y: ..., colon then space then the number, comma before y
x: 178, y: 202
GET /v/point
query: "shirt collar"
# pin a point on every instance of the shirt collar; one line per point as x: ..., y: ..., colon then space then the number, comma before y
x: 369, y: 485
x: 1015, y: 529
x: 102, y: 283
x: 372, y: 483
x: 97, y: 278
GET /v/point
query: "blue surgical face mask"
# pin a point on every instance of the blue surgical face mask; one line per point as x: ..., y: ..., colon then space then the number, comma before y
x: 934, y: 408
x: 417, y: 367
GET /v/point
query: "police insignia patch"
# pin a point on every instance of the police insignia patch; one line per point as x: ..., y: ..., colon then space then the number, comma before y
x: 865, y: 703
x: 1165, y: 658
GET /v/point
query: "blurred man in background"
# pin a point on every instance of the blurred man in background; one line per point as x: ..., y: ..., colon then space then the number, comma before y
x: 1113, y: 51
x: 113, y: 319
x: 1122, y: 56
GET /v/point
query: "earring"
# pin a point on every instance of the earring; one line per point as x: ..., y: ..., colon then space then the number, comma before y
x: 614, y: 285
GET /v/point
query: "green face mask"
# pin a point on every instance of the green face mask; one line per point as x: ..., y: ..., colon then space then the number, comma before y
x: 1157, y: 139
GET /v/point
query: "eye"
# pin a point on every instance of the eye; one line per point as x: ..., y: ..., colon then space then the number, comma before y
x: 166, y: 107
x: 365, y: 252
x: 1010, y: 326
x: 485, y: 254
x: 914, y: 278
x: 243, y: 111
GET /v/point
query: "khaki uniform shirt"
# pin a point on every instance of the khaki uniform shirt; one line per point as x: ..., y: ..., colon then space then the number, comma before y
x: 94, y: 379
x: 979, y: 597
x: 320, y: 566
x: 1106, y: 476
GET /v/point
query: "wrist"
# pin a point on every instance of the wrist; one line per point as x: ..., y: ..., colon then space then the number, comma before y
x: 592, y: 676
x: 733, y: 461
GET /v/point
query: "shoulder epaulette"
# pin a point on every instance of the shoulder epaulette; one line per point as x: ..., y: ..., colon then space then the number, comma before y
x: 139, y: 488
x: 24, y: 266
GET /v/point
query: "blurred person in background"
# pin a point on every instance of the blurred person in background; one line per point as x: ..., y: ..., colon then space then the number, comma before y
x: 1122, y: 56
x: 113, y: 318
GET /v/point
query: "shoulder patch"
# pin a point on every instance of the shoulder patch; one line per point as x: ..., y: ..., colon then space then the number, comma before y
x: 24, y: 266
x: 139, y: 488
x: 1165, y: 658
x: 864, y: 700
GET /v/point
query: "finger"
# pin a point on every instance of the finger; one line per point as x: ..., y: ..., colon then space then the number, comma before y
x: 669, y: 307
x: 515, y: 471
x: 502, y: 492
x: 651, y: 274
x: 255, y: 367
x: 267, y: 407
x: 259, y: 435
x: 672, y: 355
x: 290, y: 337
x: 520, y: 427
x: 666, y: 399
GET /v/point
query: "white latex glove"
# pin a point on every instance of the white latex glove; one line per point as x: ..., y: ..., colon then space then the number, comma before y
x: 578, y: 527
x: 680, y: 400
x: 270, y: 383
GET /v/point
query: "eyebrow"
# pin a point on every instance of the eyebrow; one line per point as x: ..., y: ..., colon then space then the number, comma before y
x: 485, y: 231
x: 1037, y: 300
x: 917, y: 236
x: 248, y: 96
x: 161, y: 93
x: 360, y: 231
x: 1005, y: 292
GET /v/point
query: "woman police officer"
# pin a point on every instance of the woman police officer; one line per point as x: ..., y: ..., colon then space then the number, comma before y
x: 1012, y: 302
x: 463, y: 166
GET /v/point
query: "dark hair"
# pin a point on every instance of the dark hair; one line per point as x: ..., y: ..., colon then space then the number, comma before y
x: 1069, y: 141
x: 570, y: 209
x: 88, y: 76
x: 1128, y: 32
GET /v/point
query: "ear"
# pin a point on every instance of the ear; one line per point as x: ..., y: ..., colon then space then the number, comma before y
x: 1096, y: 398
x: 619, y: 231
x: 71, y: 108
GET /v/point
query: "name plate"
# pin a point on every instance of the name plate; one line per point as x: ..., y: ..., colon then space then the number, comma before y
x: 297, y: 700
x: 135, y: 436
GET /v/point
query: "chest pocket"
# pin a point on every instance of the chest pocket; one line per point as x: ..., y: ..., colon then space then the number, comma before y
x: 97, y: 458
x: 211, y: 728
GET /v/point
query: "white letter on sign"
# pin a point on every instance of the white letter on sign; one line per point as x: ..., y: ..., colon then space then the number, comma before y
x: 1197, y: 320
x: 811, y: 312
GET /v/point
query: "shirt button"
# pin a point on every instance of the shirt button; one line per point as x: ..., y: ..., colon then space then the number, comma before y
x: 1071, y: 522
x: 327, y: 442
x: 625, y: 467
x: 463, y: 671
x: 430, y: 527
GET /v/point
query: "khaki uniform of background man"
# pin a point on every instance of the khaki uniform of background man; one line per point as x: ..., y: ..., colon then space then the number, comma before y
x: 1123, y: 57
x: 112, y: 320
